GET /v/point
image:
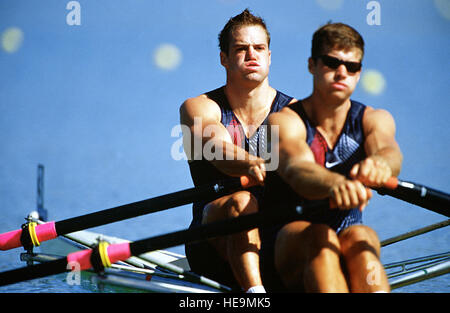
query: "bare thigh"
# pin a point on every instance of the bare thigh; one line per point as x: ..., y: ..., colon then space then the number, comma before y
x: 229, y: 206
x: 297, y: 244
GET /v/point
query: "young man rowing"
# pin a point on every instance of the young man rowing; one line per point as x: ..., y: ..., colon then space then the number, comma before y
x: 330, y: 148
x: 227, y: 122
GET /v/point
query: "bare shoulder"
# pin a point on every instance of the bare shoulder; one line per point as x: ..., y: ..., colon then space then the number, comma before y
x: 200, y: 106
x: 284, y: 115
x: 201, y: 102
x: 289, y: 122
x: 377, y: 113
x: 377, y: 118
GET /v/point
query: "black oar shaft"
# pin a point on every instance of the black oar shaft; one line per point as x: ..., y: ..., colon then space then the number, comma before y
x: 145, y: 207
x: 215, y: 229
x: 32, y: 272
x: 426, y: 197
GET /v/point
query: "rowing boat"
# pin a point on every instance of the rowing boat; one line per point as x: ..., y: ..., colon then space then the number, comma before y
x: 162, y: 271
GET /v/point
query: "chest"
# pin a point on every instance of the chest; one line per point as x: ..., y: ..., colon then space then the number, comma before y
x: 347, y: 150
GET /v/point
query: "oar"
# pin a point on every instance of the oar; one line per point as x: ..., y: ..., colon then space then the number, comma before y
x: 426, y: 197
x: 105, y: 255
x: 32, y: 234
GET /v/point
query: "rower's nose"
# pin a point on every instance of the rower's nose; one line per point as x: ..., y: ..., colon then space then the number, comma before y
x: 341, y: 72
x: 251, y: 53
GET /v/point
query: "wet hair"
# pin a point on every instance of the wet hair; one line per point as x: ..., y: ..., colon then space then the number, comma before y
x: 335, y: 35
x: 246, y: 18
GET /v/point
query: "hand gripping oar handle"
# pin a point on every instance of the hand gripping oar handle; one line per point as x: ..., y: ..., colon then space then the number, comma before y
x: 426, y: 197
x: 391, y: 183
x: 420, y: 195
x: 35, y: 234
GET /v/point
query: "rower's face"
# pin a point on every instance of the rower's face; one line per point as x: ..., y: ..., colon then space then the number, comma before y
x: 336, y: 82
x: 248, y: 55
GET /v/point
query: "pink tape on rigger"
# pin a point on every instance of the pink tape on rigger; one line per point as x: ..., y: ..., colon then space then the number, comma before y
x: 82, y: 258
x: 10, y: 240
x: 119, y: 252
x: 46, y: 231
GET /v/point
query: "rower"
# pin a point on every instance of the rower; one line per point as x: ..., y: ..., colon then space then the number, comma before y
x: 234, y: 113
x: 331, y: 147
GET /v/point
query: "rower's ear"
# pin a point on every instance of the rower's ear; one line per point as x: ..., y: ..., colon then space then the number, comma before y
x: 311, y: 64
x: 223, y: 59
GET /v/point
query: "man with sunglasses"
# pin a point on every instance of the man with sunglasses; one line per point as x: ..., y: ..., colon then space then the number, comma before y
x: 332, y: 149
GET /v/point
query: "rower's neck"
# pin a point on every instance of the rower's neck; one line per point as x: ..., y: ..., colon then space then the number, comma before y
x: 328, y: 116
x: 323, y: 109
x: 250, y: 105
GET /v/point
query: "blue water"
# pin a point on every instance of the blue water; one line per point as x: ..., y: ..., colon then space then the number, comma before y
x: 90, y: 103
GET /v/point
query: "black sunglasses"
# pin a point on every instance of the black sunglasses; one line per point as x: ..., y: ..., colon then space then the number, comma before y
x: 334, y: 63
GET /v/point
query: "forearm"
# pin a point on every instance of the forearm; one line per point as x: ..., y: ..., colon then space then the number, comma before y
x: 231, y: 159
x: 314, y: 182
x: 309, y: 179
x: 380, y: 143
x: 392, y: 156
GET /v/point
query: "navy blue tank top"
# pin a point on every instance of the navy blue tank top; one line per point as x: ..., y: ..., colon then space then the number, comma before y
x: 348, y: 150
x: 203, y: 172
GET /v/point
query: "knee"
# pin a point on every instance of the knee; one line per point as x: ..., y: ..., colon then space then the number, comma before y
x: 357, y: 239
x: 240, y: 203
x: 324, y: 242
x: 308, y: 242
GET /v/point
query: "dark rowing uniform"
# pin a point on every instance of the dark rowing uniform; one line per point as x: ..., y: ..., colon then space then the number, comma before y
x: 202, y: 257
x: 348, y: 150
x: 203, y: 172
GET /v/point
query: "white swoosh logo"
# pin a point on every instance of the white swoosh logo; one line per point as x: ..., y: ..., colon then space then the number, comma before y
x: 331, y: 164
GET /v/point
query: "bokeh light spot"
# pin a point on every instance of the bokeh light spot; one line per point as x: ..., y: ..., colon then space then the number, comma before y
x: 330, y: 4
x: 443, y: 7
x: 373, y: 82
x: 12, y: 39
x: 167, y: 56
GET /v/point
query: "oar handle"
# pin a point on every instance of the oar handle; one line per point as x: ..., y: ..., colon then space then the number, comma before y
x: 391, y: 183
x: 248, y: 181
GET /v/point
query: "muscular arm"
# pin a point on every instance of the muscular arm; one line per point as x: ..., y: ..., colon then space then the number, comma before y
x: 298, y: 168
x: 207, y: 137
x: 384, y: 158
